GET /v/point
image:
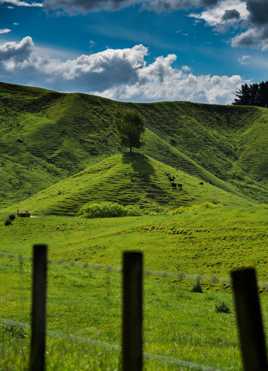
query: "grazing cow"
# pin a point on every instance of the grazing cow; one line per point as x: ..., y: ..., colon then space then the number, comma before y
x: 179, y: 186
x: 8, y: 222
x: 201, y: 183
x: 174, y: 185
x: 24, y: 214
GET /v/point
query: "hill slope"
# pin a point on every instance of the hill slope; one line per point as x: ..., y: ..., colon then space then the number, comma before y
x: 127, y: 179
x: 46, y: 137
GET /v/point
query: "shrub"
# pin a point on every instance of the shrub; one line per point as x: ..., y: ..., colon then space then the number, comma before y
x: 133, y: 210
x: 107, y: 210
x: 222, y: 308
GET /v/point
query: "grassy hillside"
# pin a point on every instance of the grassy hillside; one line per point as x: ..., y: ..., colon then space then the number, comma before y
x: 128, y: 179
x: 45, y: 137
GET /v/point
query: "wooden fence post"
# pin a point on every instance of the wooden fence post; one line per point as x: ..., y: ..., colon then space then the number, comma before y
x: 249, y: 319
x: 132, y: 334
x: 39, y: 293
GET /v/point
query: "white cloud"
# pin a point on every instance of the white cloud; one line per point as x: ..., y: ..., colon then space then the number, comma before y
x: 250, y: 38
x: 160, y: 81
x: 122, y: 74
x: 4, y: 31
x: 245, y: 60
x: 255, y: 37
x: 21, y: 3
x: 216, y: 15
x: 16, y: 51
x: 255, y: 61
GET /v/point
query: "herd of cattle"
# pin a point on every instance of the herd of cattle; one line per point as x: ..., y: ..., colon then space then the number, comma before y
x: 173, y: 183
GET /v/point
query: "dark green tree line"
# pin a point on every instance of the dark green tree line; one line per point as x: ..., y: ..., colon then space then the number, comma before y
x: 253, y: 94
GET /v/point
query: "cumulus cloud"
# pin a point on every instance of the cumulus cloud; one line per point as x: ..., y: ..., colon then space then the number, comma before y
x: 250, y: 14
x: 257, y: 32
x: 161, y: 81
x: 16, y: 51
x: 224, y: 13
x: 101, y: 70
x: 122, y: 74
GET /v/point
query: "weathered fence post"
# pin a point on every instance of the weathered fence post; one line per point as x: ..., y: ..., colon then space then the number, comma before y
x: 249, y: 319
x: 39, y: 293
x: 132, y: 334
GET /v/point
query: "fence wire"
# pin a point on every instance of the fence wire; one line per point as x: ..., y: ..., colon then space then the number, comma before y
x: 180, y: 276
x: 212, y: 280
x: 22, y: 264
x: 113, y: 347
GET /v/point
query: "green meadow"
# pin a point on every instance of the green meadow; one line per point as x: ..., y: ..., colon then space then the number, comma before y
x: 61, y: 160
x: 84, y: 302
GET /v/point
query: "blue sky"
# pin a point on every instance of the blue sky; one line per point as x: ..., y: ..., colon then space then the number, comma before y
x: 185, y: 53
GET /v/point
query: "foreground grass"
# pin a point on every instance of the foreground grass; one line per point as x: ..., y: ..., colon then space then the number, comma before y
x: 84, y: 307
x: 85, y: 302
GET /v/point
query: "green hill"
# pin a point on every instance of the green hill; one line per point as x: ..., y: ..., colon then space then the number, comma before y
x: 129, y: 179
x: 48, y: 139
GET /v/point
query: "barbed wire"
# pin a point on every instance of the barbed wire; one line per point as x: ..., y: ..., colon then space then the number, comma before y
x: 113, y: 347
x: 67, y: 263
x: 212, y: 279
x: 112, y: 269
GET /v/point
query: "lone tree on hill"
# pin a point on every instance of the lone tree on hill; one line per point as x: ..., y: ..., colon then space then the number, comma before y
x: 253, y: 95
x: 131, y: 128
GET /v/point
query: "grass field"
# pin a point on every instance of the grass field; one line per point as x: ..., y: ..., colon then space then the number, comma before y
x: 60, y: 157
x: 85, y: 302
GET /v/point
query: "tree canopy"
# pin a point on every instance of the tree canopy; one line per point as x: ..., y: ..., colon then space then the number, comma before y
x: 253, y: 94
x: 131, y: 128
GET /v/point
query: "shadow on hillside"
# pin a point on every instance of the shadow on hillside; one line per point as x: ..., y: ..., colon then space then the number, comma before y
x: 143, y: 176
x: 140, y: 165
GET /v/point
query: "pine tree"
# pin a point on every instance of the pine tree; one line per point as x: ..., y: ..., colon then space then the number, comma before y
x: 254, y: 94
